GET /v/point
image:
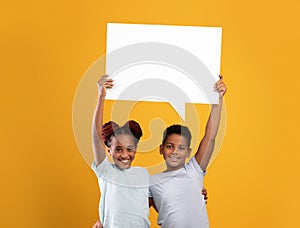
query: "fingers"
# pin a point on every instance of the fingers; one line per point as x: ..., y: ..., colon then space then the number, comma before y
x: 105, y: 82
x: 108, y: 84
x: 205, y: 197
x: 103, y: 78
x: 98, y: 224
x: 220, y: 86
x: 204, y: 193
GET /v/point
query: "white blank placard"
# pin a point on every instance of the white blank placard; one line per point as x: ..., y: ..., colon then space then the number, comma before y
x: 186, y: 57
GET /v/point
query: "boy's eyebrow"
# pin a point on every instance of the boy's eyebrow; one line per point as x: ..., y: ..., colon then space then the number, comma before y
x: 178, y: 144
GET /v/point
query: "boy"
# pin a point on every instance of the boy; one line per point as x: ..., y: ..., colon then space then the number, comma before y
x: 176, y: 192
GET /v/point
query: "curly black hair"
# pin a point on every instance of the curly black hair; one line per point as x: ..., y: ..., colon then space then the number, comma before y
x: 179, y: 130
x: 111, y: 128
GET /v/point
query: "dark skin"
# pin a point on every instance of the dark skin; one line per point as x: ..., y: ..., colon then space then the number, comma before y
x: 204, y: 192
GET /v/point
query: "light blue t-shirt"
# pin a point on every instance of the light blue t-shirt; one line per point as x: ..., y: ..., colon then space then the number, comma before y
x: 124, y: 196
x: 178, y: 197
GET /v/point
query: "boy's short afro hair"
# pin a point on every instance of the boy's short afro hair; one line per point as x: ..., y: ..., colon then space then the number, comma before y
x: 179, y: 130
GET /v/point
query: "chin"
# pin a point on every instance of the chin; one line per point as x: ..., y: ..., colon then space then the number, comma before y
x: 175, y: 166
x: 123, y: 166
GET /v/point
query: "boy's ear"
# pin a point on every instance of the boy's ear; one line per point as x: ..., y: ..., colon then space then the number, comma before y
x: 161, y: 149
x: 189, y: 152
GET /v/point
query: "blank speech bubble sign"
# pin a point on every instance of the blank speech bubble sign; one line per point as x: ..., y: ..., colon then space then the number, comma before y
x: 164, y: 63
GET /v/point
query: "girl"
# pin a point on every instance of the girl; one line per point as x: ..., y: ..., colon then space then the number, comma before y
x: 124, y: 189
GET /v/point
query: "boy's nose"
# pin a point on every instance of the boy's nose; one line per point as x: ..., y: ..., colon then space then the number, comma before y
x: 174, y: 151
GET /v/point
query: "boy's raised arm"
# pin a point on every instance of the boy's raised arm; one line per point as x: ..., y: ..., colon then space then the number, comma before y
x: 207, y: 144
x: 98, y: 145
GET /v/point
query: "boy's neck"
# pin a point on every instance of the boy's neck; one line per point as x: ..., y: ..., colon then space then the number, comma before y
x: 170, y: 169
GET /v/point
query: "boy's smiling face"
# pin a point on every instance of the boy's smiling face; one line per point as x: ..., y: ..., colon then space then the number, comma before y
x: 175, y: 150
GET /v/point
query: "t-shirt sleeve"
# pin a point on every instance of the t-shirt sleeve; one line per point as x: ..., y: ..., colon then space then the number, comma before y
x: 102, y: 168
x: 193, y: 165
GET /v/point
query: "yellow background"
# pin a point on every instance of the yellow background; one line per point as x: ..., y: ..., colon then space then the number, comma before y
x: 46, y: 47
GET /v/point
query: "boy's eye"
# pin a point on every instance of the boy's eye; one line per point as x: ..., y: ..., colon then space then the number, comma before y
x: 169, y: 146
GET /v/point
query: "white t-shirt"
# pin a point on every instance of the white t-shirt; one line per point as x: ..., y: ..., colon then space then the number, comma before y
x: 124, y: 196
x: 178, y: 197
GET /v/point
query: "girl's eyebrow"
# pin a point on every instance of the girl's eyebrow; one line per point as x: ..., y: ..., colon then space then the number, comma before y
x: 131, y: 146
x: 118, y: 147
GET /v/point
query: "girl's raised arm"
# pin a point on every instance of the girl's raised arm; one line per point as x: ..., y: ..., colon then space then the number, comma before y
x: 98, y: 145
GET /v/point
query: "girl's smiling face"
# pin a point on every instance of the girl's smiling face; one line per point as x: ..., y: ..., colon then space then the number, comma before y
x: 122, y: 149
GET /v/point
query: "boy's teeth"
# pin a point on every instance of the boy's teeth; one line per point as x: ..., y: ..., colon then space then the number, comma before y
x: 124, y: 161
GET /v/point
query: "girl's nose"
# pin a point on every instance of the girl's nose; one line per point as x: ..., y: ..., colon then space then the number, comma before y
x: 125, y: 154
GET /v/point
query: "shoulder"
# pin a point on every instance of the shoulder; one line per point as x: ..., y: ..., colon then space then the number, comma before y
x: 164, y: 177
x: 140, y: 169
x: 156, y: 183
x: 193, y: 165
x: 103, y: 165
x: 158, y: 175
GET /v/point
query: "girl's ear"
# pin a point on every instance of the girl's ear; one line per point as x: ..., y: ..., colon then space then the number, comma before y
x: 108, y: 151
x: 161, y: 147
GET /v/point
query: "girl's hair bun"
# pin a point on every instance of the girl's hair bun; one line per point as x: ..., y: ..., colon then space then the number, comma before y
x: 107, y: 131
x: 111, y: 128
x: 134, y: 128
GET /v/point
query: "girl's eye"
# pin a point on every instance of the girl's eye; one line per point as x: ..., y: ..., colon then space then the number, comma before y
x: 131, y: 149
x: 181, y: 148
